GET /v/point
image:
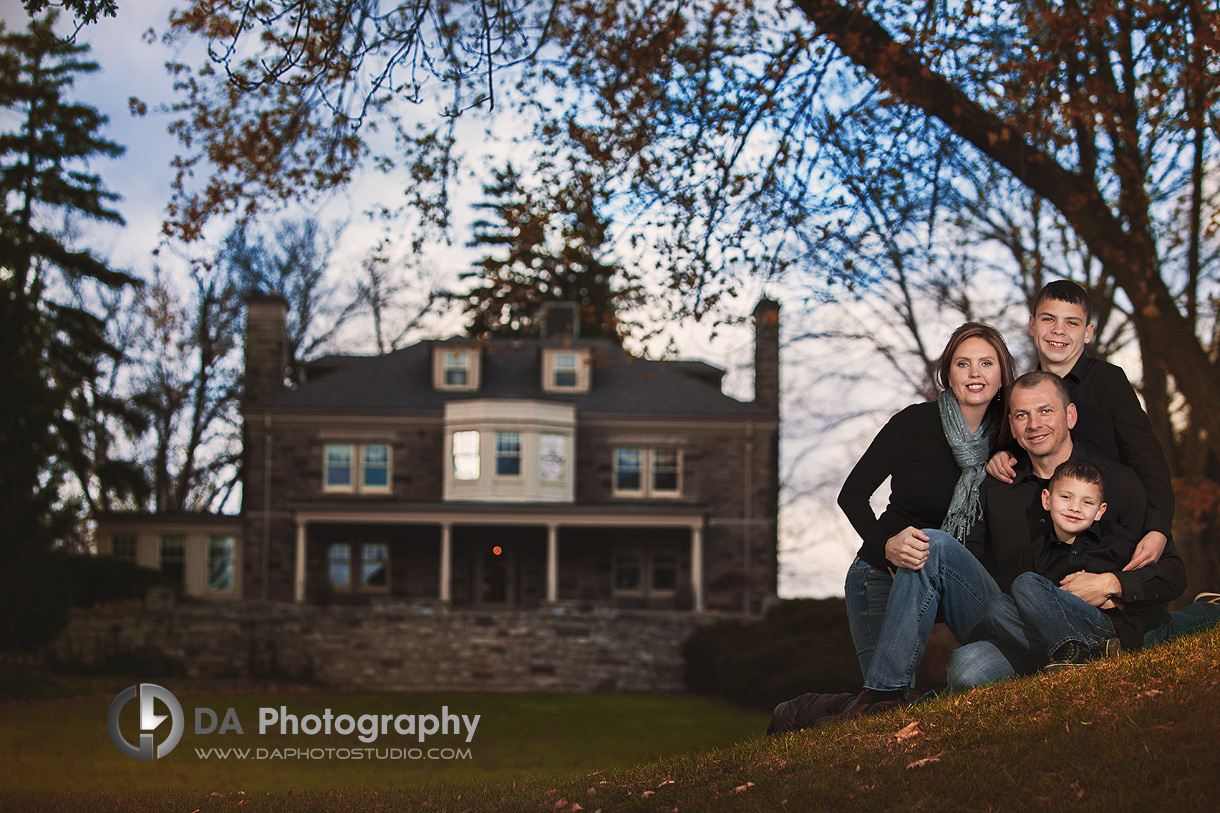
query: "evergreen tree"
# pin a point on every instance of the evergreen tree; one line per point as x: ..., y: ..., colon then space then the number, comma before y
x: 49, y: 347
x: 554, y: 254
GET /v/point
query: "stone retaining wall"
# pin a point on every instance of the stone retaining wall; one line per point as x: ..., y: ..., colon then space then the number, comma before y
x: 389, y: 647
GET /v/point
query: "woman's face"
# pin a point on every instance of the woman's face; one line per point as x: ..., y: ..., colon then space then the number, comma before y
x: 974, y: 374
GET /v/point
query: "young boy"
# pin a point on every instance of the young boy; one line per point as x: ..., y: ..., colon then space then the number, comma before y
x: 1110, y: 421
x: 1047, y: 624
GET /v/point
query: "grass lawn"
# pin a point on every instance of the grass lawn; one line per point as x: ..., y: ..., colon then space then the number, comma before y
x: 1137, y: 732
x: 64, y: 744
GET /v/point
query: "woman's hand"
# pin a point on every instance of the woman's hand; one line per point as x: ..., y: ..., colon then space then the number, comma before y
x: 908, y: 548
x: 1001, y: 466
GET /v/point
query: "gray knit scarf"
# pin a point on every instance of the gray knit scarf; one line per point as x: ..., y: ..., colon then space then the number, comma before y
x: 970, y: 452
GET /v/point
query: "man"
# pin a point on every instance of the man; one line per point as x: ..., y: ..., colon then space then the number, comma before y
x: 1040, y: 416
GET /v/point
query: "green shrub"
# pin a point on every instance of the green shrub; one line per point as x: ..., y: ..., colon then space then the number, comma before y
x: 801, y: 645
x: 96, y: 579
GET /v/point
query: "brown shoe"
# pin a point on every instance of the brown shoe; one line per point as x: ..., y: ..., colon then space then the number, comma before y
x: 866, y: 705
x: 805, y: 711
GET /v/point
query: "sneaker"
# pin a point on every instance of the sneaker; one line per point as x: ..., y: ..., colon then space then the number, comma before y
x: 805, y: 711
x: 865, y: 706
x: 1207, y: 598
x: 1073, y: 654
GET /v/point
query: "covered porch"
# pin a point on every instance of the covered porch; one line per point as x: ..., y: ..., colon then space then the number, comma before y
x: 480, y: 555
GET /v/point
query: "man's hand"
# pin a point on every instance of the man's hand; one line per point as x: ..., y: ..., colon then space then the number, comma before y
x: 1148, y: 551
x: 1001, y: 466
x: 1093, y: 588
x: 908, y: 548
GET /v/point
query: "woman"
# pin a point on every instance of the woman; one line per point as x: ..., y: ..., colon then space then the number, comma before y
x: 934, y: 454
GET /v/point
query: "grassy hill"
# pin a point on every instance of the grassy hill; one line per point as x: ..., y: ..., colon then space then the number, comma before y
x: 1134, y: 733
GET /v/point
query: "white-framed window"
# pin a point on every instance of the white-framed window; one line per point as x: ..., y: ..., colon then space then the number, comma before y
x: 466, y: 455
x: 637, y: 572
x: 552, y: 458
x: 173, y: 557
x: 375, y: 467
x: 647, y: 472
x: 123, y: 546
x: 565, y: 370
x: 339, y: 565
x: 337, y: 468
x: 455, y: 368
x: 666, y: 471
x: 351, y: 467
x: 220, y: 563
x: 374, y: 566
x: 508, y: 454
x: 629, y: 471
x: 363, y: 567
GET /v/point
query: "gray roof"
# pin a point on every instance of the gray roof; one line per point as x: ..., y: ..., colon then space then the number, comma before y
x: 401, y: 381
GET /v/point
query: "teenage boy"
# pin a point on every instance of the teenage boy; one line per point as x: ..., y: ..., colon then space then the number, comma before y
x: 1112, y: 423
x: 1049, y: 625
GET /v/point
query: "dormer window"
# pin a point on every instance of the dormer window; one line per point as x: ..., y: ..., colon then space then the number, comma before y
x: 565, y: 370
x: 455, y: 368
x: 564, y: 375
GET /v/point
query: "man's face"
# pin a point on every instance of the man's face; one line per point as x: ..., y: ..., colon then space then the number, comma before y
x: 1074, y: 505
x: 1039, y: 421
x: 1060, y: 331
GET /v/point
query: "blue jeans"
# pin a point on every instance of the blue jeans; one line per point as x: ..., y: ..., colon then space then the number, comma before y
x: 986, y: 662
x: 1038, y: 618
x: 952, y: 586
x: 1191, y: 618
x: 867, y: 592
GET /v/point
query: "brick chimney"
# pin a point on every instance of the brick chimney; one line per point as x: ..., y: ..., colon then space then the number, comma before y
x: 266, y: 345
x: 766, y: 353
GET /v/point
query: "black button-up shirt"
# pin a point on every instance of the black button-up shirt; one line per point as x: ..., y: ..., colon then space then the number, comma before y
x: 1111, y: 423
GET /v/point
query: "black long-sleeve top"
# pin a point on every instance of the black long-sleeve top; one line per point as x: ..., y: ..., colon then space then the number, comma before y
x: 1111, y: 422
x: 1107, y: 548
x: 912, y: 451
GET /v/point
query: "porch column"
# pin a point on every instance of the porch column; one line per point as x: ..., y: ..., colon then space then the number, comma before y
x: 446, y: 561
x: 696, y: 565
x: 552, y: 563
x: 298, y: 589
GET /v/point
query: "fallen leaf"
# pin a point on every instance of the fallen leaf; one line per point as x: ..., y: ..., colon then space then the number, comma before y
x: 666, y: 782
x: 746, y: 786
x: 925, y: 762
x: 648, y: 793
x: 910, y: 732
